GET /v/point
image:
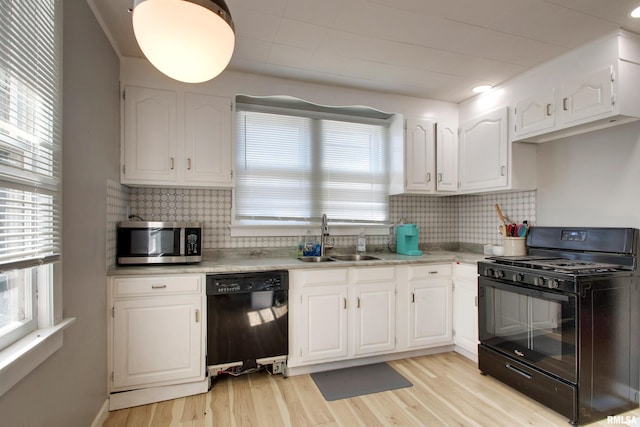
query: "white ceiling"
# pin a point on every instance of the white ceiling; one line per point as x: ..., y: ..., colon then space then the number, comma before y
x: 436, y: 49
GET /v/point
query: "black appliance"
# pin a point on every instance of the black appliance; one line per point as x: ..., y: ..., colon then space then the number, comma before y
x: 561, y: 323
x: 247, y: 322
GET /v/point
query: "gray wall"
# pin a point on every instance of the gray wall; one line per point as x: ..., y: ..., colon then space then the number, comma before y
x: 591, y: 179
x: 69, y: 388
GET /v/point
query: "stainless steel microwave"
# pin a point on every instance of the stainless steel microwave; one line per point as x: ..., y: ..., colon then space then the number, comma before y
x: 157, y: 242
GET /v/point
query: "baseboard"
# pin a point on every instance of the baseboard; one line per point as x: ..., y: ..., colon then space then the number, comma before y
x: 102, y: 415
x: 127, y: 399
x: 328, y: 366
x: 466, y: 353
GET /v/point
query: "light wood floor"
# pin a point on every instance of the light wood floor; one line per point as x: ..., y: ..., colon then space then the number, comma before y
x: 448, y: 390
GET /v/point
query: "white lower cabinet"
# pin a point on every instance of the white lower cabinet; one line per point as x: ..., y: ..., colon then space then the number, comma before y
x: 372, y: 293
x: 425, y: 306
x: 465, y: 307
x: 336, y: 314
x: 156, y: 338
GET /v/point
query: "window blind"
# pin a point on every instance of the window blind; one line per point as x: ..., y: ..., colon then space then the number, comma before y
x: 30, y: 134
x: 293, y: 165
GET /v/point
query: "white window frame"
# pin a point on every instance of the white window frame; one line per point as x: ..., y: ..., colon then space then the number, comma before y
x: 31, y: 171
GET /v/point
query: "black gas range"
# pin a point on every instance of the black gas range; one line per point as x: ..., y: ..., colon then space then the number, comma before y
x: 561, y: 323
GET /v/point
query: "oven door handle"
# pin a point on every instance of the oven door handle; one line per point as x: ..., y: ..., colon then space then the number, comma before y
x: 520, y: 290
x: 517, y: 371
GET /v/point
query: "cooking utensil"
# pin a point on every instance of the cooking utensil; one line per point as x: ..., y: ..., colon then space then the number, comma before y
x: 504, y: 221
x: 521, y: 231
x: 503, y: 229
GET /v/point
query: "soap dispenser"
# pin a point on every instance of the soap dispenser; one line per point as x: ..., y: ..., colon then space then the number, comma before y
x: 361, y: 246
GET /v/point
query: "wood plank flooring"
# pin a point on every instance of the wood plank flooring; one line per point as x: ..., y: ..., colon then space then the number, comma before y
x: 448, y: 390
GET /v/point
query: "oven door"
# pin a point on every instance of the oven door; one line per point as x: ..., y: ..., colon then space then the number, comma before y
x: 537, y: 327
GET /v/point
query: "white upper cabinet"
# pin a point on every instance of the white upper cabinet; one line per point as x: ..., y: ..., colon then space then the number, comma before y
x: 535, y: 113
x: 425, y: 161
x: 588, y: 96
x: 590, y: 88
x: 488, y: 161
x: 446, y: 159
x: 483, y: 151
x: 207, y: 142
x: 149, y: 151
x: 173, y: 138
x: 420, y: 152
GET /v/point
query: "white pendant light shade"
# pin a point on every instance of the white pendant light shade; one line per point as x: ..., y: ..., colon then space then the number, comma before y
x: 188, y: 40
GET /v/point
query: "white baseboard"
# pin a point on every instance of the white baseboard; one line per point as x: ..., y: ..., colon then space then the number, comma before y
x: 127, y: 399
x: 102, y: 415
x: 320, y: 367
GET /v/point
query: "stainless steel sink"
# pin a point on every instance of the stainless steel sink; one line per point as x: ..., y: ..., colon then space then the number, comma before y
x: 315, y: 258
x: 355, y: 257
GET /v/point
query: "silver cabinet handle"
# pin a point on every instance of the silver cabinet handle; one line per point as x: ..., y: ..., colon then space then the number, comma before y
x: 197, y: 316
x: 428, y: 176
x: 189, y: 164
x: 345, y: 303
x: 565, y: 104
x: 501, y: 170
x: 158, y: 286
x: 440, y: 177
x: 171, y: 161
x: 413, y: 297
x: 358, y: 302
x: 549, y: 112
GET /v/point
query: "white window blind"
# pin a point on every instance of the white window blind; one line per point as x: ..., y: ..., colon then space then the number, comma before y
x: 294, y: 164
x: 30, y: 134
x: 30, y: 150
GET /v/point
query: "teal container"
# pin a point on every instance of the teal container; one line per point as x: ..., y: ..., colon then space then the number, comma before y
x: 407, y: 237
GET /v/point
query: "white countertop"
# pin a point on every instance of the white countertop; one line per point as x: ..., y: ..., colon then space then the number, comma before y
x: 258, y: 261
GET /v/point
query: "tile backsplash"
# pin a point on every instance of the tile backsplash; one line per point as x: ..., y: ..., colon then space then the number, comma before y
x: 452, y: 219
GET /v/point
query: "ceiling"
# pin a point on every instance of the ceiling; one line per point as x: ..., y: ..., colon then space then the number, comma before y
x: 436, y: 49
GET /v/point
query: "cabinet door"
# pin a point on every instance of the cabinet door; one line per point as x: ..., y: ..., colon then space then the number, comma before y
x: 535, y: 114
x: 374, y: 318
x: 430, y: 315
x: 207, y: 139
x: 420, y: 155
x: 465, y: 317
x: 588, y: 96
x: 323, y: 323
x: 157, y: 340
x: 149, y: 146
x: 446, y: 159
x: 484, y: 152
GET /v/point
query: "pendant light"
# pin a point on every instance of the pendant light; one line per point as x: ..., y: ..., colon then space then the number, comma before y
x: 188, y: 40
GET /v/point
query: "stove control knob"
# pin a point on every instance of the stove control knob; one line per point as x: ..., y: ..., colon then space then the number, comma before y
x: 518, y: 277
x: 538, y: 281
x: 552, y: 283
x: 498, y: 274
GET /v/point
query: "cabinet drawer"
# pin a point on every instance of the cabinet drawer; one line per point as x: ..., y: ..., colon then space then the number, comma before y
x: 156, y: 285
x: 319, y: 277
x: 429, y: 271
x: 373, y: 274
x: 466, y: 271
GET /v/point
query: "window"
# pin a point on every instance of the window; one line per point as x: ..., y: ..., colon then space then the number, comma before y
x: 296, y: 161
x: 30, y: 149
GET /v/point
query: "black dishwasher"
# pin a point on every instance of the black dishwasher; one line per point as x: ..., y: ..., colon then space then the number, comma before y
x: 247, y: 322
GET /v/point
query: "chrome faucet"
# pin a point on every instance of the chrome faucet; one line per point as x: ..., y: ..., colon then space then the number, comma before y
x: 324, y: 233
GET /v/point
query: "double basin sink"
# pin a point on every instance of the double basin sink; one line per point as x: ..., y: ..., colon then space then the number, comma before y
x: 349, y: 257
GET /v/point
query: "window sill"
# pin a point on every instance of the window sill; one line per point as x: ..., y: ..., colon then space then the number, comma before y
x: 22, y: 357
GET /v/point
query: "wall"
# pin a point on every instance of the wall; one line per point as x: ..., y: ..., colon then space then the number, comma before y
x: 69, y: 388
x: 591, y: 179
x: 465, y: 219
